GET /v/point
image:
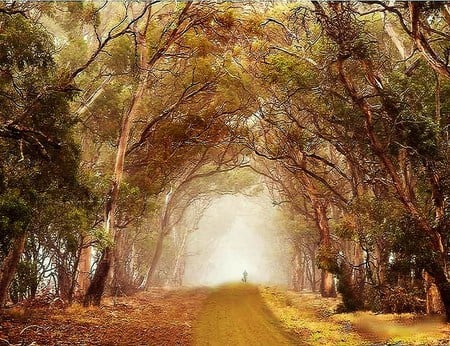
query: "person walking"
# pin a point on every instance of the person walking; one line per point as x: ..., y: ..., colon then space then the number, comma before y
x: 244, y: 276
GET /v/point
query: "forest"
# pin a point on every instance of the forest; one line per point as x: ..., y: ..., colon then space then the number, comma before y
x: 123, y: 125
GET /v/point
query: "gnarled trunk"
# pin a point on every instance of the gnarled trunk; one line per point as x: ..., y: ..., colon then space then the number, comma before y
x: 9, y: 266
x: 437, y: 269
x: 97, y: 287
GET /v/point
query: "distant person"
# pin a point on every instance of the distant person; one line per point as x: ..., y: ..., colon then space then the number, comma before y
x: 244, y: 276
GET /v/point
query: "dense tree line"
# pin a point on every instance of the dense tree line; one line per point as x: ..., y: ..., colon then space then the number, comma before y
x: 120, y: 124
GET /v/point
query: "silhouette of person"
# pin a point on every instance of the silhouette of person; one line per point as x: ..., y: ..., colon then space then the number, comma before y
x: 244, y: 276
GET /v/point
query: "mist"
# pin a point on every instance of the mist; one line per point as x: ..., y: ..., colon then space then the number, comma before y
x: 237, y: 233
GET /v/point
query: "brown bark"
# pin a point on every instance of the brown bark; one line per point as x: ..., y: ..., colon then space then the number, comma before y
x: 446, y: 13
x: 9, y: 266
x: 315, y: 273
x: 155, y: 260
x: 352, y: 296
x: 312, y: 271
x: 440, y: 279
x: 327, y: 286
x: 381, y: 262
x: 406, y: 173
x: 120, y: 281
x: 422, y: 43
x: 297, y: 271
x: 86, y: 104
x: 359, y: 274
x: 103, y: 269
x: 402, y: 193
x: 146, y: 63
x: 164, y: 231
x: 433, y: 297
x: 96, y: 288
x: 64, y: 282
x: 84, y: 268
x: 319, y: 206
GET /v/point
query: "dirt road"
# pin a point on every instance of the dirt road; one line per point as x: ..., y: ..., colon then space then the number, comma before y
x: 229, y: 315
x: 236, y: 315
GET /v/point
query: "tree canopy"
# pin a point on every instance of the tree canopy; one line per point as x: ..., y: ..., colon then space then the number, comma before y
x: 122, y: 122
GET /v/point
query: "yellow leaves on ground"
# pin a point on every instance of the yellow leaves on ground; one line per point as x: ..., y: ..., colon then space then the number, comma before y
x: 312, y: 316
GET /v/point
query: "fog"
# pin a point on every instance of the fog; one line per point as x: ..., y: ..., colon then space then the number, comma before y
x: 237, y: 233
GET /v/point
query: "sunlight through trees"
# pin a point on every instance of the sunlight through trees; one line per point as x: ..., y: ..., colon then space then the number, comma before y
x: 148, y: 144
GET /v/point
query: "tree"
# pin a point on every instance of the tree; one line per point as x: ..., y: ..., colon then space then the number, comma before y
x: 39, y: 155
x: 146, y: 63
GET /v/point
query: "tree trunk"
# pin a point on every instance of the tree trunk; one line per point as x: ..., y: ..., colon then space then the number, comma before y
x: 359, y: 274
x: 433, y: 297
x: 179, y: 261
x: 442, y: 284
x: 327, y: 286
x: 296, y: 268
x: 145, y: 64
x: 178, y: 276
x: 155, y: 260
x: 352, y: 298
x: 121, y: 283
x: 97, y: 286
x: 314, y: 272
x: 84, y: 269
x: 9, y: 266
x: 326, y: 260
x: 304, y: 264
x: 446, y: 13
x: 438, y: 268
x: 113, y: 194
x: 34, y: 285
x: 436, y: 63
x: 396, y: 39
x: 64, y: 282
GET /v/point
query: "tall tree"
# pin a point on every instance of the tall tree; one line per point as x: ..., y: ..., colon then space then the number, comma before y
x: 39, y: 154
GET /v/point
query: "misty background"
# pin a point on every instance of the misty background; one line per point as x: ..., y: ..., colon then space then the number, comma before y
x: 237, y: 233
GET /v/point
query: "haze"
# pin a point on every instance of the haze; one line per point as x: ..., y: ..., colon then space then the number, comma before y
x: 236, y: 233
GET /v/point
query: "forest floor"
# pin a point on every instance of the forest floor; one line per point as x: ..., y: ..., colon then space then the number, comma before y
x: 228, y: 315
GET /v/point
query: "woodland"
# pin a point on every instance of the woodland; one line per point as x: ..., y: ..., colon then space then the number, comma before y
x: 122, y: 122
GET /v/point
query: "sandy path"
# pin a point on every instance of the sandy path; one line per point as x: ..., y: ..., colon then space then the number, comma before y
x: 236, y: 315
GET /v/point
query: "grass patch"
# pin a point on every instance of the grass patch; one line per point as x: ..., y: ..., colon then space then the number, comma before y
x: 302, y: 315
x: 314, y: 318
